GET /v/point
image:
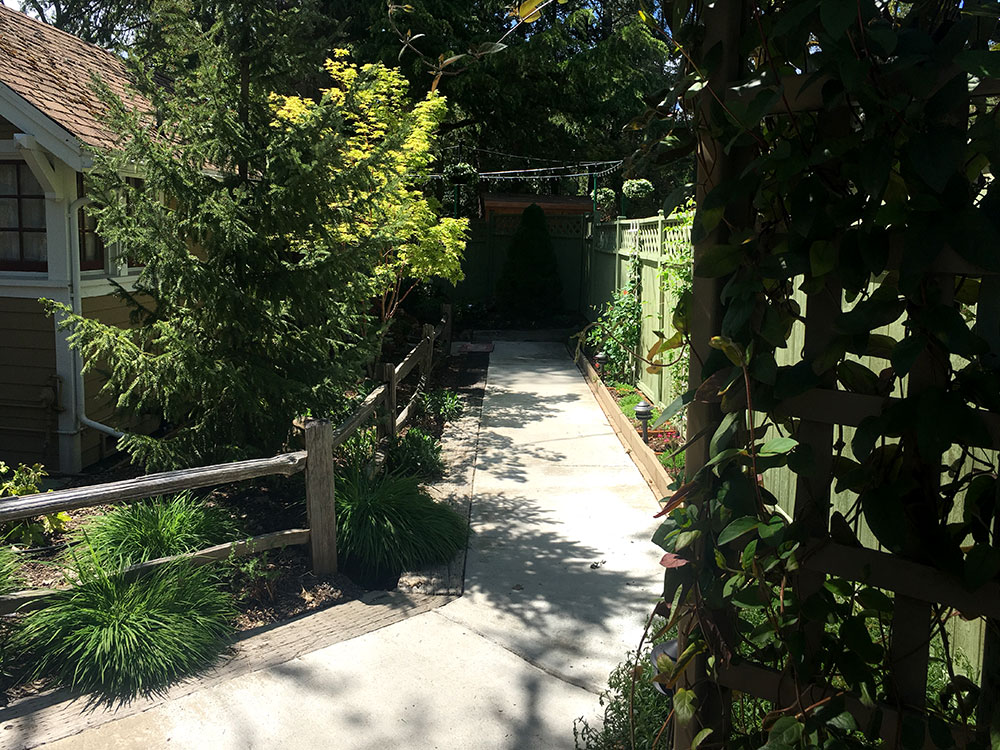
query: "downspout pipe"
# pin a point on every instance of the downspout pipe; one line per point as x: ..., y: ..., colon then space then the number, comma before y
x: 79, y: 400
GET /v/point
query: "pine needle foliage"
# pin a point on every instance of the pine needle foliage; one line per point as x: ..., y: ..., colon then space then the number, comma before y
x: 118, y: 639
x: 157, y: 527
x: 387, y: 523
x: 253, y: 227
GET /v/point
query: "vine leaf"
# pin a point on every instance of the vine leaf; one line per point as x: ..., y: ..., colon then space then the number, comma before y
x: 778, y: 446
x: 674, y: 408
x: 685, y: 704
x: 738, y: 528
x: 700, y: 737
x: 670, y: 560
x: 718, y: 260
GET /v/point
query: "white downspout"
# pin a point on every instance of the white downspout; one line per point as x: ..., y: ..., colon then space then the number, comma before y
x: 79, y: 397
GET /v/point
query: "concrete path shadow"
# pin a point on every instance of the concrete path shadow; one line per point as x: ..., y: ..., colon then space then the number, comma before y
x: 559, y: 579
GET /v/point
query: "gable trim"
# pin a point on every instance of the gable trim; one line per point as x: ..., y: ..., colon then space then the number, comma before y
x: 49, y: 134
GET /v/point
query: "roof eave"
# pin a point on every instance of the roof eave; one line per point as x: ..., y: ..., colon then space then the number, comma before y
x: 49, y: 134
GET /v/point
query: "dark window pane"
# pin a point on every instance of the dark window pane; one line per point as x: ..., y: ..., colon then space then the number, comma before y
x: 9, y: 247
x: 8, y: 179
x: 33, y: 213
x: 8, y: 213
x: 34, y: 246
x: 29, y: 185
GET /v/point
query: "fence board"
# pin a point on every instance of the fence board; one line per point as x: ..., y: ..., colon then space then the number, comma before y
x: 28, y: 506
x: 26, y: 601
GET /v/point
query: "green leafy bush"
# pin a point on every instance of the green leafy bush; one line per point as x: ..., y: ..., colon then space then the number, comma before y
x: 387, y: 523
x: 158, y: 527
x: 442, y: 403
x: 119, y: 638
x: 629, y: 402
x: 617, y: 333
x: 415, y: 454
x: 649, y: 710
x: 27, y: 480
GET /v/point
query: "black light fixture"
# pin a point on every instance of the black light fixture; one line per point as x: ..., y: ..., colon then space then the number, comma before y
x: 664, y: 658
x: 601, y: 359
x: 644, y: 412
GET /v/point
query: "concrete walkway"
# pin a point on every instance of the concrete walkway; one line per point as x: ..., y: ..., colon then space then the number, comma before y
x: 559, y: 578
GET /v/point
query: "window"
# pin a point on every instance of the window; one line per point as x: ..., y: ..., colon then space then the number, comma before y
x: 22, y: 220
x: 92, y: 249
x: 91, y: 245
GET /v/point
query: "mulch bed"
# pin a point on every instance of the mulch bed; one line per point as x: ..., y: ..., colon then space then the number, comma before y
x: 273, y: 587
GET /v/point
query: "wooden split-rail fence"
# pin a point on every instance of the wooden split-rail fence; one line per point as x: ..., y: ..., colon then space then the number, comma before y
x: 321, y: 439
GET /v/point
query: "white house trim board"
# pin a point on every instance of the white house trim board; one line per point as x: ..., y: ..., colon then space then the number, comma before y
x: 39, y: 164
x: 49, y: 134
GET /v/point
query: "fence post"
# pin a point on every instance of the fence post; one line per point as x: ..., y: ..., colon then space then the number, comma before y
x: 320, y: 500
x: 446, y: 332
x: 428, y: 359
x: 389, y: 375
x: 618, y: 254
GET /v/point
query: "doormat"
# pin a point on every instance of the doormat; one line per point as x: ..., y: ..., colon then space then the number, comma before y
x: 464, y: 347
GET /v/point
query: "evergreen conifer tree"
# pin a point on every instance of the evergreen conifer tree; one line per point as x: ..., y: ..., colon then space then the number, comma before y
x: 254, y: 304
x: 529, y: 283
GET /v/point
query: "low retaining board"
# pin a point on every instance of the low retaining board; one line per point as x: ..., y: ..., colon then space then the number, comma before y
x: 645, y: 459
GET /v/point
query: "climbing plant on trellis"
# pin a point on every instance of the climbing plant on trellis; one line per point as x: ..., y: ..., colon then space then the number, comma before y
x: 846, y: 154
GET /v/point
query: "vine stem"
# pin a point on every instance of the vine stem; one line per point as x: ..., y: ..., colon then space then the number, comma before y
x: 751, y: 447
x: 663, y: 726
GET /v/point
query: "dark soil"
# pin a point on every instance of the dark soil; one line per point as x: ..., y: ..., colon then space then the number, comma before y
x: 282, y: 585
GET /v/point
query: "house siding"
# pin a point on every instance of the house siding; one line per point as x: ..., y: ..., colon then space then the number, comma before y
x: 95, y: 446
x: 28, y: 384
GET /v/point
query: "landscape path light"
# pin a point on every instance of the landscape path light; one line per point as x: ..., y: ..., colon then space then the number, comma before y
x: 601, y: 359
x: 644, y: 412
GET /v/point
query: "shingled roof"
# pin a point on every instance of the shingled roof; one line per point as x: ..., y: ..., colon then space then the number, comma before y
x: 52, y: 70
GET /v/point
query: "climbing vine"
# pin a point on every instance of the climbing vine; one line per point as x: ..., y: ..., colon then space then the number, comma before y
x: 859, y: 175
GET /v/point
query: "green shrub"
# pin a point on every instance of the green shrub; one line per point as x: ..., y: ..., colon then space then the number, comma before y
x: 119, y: 639
x: 617, y: 333
x: 442, y: 403
x: 9, y: 580
x: 415, y: 454
x: 387, y: 523
x: 649, y: 709
x: 27, y: 480
x: 359, y: 448
x: 159, y: 527
x: 628, y: 404
x: 673, y: 463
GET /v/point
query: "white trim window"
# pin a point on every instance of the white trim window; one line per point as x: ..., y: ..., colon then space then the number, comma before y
x: 23, y: 233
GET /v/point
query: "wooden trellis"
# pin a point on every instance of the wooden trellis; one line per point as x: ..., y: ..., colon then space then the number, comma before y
x: 820, y: 412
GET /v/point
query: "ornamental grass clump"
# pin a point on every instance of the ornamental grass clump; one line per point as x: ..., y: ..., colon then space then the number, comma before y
x: 9, y: 565
x: 119, y: 638
x: 157, y: 527
x: 387, y: 523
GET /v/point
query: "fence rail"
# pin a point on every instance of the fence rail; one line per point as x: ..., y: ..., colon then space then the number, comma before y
x: 316, y: 461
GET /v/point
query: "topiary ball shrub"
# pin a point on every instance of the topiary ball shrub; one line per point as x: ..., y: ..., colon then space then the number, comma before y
x: 388, y: 523
x: 118, y: 639
x: 529, y: 283
x: 415, y: 454
x: 159, y: 527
